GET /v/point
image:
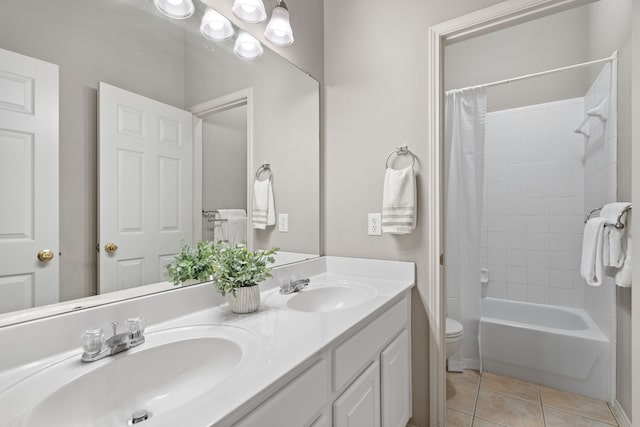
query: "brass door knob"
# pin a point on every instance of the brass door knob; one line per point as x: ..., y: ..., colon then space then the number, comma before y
x: 110, y: 248
x: 45, y: 255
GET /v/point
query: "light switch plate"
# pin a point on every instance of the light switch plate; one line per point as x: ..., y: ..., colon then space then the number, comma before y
x: 283, y: 223
x: 375, y: 224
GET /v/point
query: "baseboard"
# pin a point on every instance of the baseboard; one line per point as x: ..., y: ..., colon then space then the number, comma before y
x: 472, y: 364
x: 620, y: 415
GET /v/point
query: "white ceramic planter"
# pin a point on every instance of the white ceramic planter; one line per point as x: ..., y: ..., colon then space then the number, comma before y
x: 247, y: 299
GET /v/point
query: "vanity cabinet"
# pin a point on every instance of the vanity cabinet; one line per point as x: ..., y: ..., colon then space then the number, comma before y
x: 364, y: 380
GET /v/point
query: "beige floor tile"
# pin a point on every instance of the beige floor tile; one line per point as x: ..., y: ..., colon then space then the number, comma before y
x: 577, y: 404
x: 510, y: 386
x: 508, y: 410
x: 461, y: 397
x: 479, y: 422
x: 558, y: 418
x: 466, y: 377
x: 458, y: 419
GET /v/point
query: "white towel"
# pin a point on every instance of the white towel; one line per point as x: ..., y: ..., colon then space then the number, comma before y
x: 614, y: 245
x: 623, y: 275
x: 399, y: 201
x: 264, y: 211
x: 592, y: 265
x: 234, y: 229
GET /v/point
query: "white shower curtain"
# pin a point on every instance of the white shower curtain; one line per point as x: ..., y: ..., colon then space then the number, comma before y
x: 465, y: 117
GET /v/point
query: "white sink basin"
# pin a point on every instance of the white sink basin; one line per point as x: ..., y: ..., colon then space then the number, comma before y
x: 170, y: 369
x: 326, y: 296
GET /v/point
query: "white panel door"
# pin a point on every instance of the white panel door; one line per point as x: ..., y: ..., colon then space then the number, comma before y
x: 145, y: 187
x: 359, y: 405
x: 28, y: 181
x: 395, y: 366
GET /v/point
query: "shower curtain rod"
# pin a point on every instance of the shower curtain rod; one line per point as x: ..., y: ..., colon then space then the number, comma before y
x: 613, y: 57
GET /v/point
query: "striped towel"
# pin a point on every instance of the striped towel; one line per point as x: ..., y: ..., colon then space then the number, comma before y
x: 264, y: 211
x: 399, y: 201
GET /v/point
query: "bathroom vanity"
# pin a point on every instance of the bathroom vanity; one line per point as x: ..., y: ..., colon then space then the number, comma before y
x: 334, y: 354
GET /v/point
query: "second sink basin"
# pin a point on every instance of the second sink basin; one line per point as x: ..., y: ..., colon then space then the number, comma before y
x: 169, y: 370
x: 323, y: 296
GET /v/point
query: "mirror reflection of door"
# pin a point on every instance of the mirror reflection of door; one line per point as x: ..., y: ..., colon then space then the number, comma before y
x: 28, y: 182
x: 146, y: 193
x: 224, y: 174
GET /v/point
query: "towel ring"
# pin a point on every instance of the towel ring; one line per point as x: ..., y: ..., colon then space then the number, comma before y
x: 401, y: 151
x: 266, y: 167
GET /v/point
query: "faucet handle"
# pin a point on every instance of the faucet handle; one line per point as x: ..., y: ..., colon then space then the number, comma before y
x: 136, y: 326
x: 114, y: 325
x: 92, y: 341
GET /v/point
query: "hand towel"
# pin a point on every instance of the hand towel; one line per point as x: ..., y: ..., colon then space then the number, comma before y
x: 592, y: 266
x: 399, y: 201
x: 613, y: 250
x: 623, y: 275
x: 235, y: 226
x: 264, y: 212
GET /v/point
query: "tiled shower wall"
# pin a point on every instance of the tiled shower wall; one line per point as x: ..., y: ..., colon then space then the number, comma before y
x: 533, y: 208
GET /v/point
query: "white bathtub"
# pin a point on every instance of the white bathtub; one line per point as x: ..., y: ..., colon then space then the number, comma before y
x: 554, y: 346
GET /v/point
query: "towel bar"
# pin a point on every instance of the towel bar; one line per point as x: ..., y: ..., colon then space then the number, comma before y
x: 211, y: 216
x: 619, y: 224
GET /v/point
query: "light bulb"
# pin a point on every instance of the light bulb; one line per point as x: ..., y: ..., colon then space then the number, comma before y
x: 278, y: 29
x: 175, y: 2
x: 215, y: 26
x: 248, y: 8
x: 176, y: 9
x: 247, y: 46
x: 251, y: 11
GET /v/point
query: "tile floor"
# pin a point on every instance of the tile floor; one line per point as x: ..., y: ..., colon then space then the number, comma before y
x: 491, y: 400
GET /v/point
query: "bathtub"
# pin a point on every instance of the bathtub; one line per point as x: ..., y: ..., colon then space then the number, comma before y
x: 557, y: 347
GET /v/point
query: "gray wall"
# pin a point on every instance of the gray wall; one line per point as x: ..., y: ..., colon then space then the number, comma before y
x: 376, y: 59
x: 606, y: 37
x: 126, y: 39
x: 543, y: 44
x: 635, y: 110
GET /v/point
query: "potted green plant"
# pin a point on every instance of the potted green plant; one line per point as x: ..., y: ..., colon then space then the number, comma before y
x: 192, y: 265
x: 237, y: 273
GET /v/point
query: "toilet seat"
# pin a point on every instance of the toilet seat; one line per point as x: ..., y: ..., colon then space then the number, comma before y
x: 453, y: 328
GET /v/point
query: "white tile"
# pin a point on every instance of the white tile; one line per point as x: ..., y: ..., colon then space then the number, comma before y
x: 536, y: 171
x: 562, y: 297
x: 497, y: 207
x: 517, y: 120
x: 560, y: 279
x: 566, y: 224
x: 561, y: 206
x: 497, y: 289
x: 538, y: 259
x: 497, y: 190
x: 517, y: 207
x: 538, y: 224
x: 560, y: 260
x: 518, y: 240
x: 537, y: 116
x: 538, y: 188
x: 516, y: 292
x: 497, y: 273
x: 517, y: 224
x: 497, y: 223
x: 538, y: 241
x: 517, y: 258
x: 538, y: 135
x: 516, y: 173
x: 497, y: 256
x: 560, y: 112
x: 496, y: 157
x: 516, y: 155
x: 517, y: 275
x: 538, y: 153
x: 497, y: 239
x: 538, y: 294
x: 497, y: 174
x: 578, y: 299
x: 561, y: 241
x: 578, y: 282
x: 516, y: 189
x: 538, y: 276
x: 539, y: 206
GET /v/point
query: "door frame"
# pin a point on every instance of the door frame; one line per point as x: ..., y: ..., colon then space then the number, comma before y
x: 216, y: 105
x: 501, y: 15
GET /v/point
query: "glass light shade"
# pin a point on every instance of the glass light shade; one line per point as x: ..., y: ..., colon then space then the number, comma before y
x: 278, y: 29
x: 251, y: 11
x: 247, y: 46
x: 176, y: 9
x: 215, y: 26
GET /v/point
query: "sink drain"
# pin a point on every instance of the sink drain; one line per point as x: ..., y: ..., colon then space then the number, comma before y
x: 139, y: 416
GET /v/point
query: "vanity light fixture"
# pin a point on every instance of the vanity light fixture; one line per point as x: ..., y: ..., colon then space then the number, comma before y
x: 216, y: 27
x: 176, y: 9
x: 247, y: 46
x: 251, y: 11
x: 278, y: 29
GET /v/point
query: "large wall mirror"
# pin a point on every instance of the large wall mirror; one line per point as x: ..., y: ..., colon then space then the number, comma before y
x: 123, y: 134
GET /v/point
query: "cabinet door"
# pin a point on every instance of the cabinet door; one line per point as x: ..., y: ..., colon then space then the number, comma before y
x: 359, y: 405
x: 396, y: 382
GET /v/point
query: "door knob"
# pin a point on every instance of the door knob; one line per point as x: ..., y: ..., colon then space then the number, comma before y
x: 110, y: 248
x: 45, y: 255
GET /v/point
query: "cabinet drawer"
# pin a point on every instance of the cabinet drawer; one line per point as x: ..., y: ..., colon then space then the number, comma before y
x: 351, y: 357
x: 296, y: 403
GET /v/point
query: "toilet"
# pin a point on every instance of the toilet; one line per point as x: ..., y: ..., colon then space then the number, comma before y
x: 453, y: 338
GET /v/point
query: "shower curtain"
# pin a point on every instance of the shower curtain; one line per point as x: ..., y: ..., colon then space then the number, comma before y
x: 465, y: 117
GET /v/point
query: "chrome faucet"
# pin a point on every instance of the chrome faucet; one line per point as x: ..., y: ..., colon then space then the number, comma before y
x: 95, y: 347
x: 294, y: 285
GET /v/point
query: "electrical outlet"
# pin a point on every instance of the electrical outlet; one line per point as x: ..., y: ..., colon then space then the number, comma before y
x: 375, y: 224
x: 283, y: 223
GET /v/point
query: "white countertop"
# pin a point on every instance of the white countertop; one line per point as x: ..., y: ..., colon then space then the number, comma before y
x: 289, y: 340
